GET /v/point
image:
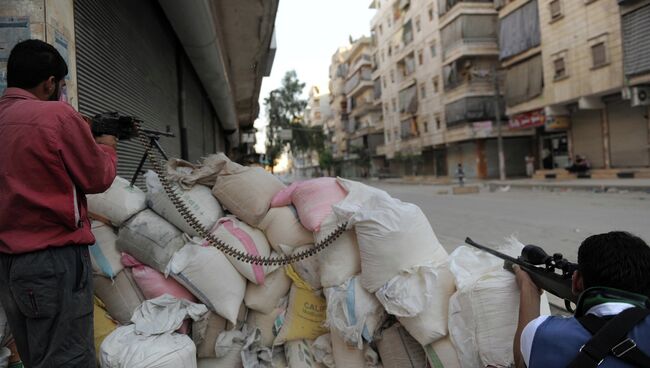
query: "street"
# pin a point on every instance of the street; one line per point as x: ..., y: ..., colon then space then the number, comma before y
x: 558, y: 222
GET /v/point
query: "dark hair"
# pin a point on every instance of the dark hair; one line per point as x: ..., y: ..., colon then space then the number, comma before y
x: 616, y: 259
x: 33, y: 61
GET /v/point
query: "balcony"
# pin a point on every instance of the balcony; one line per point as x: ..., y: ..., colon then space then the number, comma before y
x: 468, y: 76
x: 408, y: 100
x: 361, y: 79
x: 469, y: 109
x: 376, y: 89
x: 445, y: 6
x: 362, y: 60
x: 468, y: 35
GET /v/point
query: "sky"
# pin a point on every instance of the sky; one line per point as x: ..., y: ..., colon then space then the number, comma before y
x: 308, y: 32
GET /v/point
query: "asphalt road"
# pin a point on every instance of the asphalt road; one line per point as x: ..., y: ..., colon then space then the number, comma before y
x: 558, y: 222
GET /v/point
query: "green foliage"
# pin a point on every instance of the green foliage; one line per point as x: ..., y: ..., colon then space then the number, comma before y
x: 285, y: 110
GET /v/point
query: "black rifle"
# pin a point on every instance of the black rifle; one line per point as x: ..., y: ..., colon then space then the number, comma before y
x: 551, y: 273
x: 113, y: 123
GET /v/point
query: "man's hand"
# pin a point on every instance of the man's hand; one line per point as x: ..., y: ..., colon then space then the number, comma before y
x: 524, y: 281
x: 109, y: 140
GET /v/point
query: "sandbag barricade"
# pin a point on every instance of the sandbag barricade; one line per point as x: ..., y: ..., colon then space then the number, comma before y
x: 119, y: 203
x: 104, y: 256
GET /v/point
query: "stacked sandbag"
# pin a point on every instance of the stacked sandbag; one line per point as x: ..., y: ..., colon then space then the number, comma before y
x: 340, y: 260
x: 151, y: 341
x: 150, y: 239
x: 104, y: 256
x: 121, y: 296
x: 484, y: 310
x: 244, y: 191
x: 198, y: 199
x: 119, y: 203
x: 267, y: 297
x: 205, y: 332
x: 282, y: 226
x: 103, y: 324
x: 398, y: 349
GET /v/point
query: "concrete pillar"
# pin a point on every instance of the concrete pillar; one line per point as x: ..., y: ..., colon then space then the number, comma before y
x: 604, y: 119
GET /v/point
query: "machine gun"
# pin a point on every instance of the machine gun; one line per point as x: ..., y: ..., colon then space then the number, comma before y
x: 124, y: 127
x: 551, y: 273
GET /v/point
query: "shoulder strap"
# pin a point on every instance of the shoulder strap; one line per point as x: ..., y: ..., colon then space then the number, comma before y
x: 610, y: 337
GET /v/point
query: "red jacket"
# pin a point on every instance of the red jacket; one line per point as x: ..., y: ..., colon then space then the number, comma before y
x: 48, y: 162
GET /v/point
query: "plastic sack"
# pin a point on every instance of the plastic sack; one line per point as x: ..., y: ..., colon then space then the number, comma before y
x: 442, y: 354
x: 119, y: 203
x: 340, y: 260
x: 228, y: 349
x: 104, y: 256
x: 150, y: 239
x: 398, y: 349
x: 121, y: 296
x: 393, y: 236
x: 205, y: 332
x: 322, y: 351
x: 281, y: 226
x: 265, y: 298
x: 483, y: 313
x: 308, y: 269
x: 150, y: 341
x: 264, y: 323
x: 248, y: 240
x: 103, y: 325
x: 199, y: 200
x: 153, y: 283
x: 352, y: 312
x: 245, y: 191
x: 420, y: 300
x: 305, y: 312
x: 299, y: 354
x: 208, y: 274
x: 312, y: 198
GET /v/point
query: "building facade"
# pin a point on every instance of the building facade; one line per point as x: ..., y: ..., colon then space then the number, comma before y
x: 141, y: 58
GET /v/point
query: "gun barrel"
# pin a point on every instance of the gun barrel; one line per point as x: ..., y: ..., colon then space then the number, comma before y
x: 492, y: 251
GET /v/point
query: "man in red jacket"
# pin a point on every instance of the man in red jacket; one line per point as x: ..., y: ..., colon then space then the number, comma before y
x: 49, y: 160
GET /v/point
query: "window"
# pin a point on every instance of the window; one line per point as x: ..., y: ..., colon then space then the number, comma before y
x: 394, y: 105
x: 418, y: 26
x: 423, y: 91
x: 599, y: 54
x: 390, y: 50
x: 426, y: 126
x: 392, y: 76
x: 420, y: 57
x: 432, y: 49
x: 396, y: 133
x: 435, y: 84
x: 381, y: 30
x: 560, y: 68
x: 430, y: 11
x: 383, y: 81
x: 437, y: 123
x: 556, y: 9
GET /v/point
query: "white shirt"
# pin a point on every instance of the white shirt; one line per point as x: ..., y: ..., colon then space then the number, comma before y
x: 528, y: 334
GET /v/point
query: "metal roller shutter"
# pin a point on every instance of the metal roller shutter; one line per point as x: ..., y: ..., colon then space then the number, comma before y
x: 126, y: 61
x: 636, y: 43
x: 587, y: 136
x: 628, y: 134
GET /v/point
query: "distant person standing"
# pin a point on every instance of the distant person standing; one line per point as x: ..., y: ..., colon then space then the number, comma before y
x: 530, y: 165
x: 460, y: 174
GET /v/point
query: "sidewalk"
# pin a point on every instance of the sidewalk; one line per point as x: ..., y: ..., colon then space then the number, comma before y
x: 591, y: 185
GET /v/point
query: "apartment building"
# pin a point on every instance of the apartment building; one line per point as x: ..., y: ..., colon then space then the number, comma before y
x: 317, y: 113
x: 335, y: 126
x: 574, y: 72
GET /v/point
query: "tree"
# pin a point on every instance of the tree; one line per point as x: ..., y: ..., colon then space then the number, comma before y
x: 285, y: 110
x: 326, y: 161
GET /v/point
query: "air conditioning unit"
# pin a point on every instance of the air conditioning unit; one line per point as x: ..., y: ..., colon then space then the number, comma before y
x: 640, y: 96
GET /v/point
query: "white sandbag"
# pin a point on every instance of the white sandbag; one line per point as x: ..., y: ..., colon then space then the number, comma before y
x: 420, y: 300
x: 104, y: 256
x: 308, y: 268
x: 442, y: 354
x: 483, y: 313
x: 393, y: 235
x: 247, y: 239
x: 119, y: 203
x: 299, y: 354
x: 264, y: 323
x: 150, y: 239
x: 345, y: 355
x: 322, y: 351
x: 245, y: 191
x: 265, y: 298
x: 150, y: 341
x: 398, y: 349
x: 199, y: 200
x: 282, y: 226
x: 228, y: 349
x: 207, y: 273
x: 205, y: 332
x: 352, y: 312
x: 279, y: 358
x: 120, y: 295
x: 341, y: 259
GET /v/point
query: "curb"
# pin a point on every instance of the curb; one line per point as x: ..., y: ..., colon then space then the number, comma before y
x: 589, y: 187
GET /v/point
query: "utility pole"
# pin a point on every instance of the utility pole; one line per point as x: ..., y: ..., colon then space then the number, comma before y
x: 497, y: 115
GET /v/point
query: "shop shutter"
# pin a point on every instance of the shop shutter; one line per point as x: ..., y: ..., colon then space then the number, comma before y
x: 587, y: 136
x: 636, y: 41
x: 628, y: 135
x: 126, y: 61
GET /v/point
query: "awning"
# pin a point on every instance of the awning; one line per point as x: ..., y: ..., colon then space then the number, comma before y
x: 527, y: 120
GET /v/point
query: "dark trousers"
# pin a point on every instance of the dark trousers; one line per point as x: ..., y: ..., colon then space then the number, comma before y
x: 48, y: 298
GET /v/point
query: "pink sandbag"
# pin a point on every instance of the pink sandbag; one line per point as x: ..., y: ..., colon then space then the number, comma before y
x: 312, y: 198
x: 154, y: 284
